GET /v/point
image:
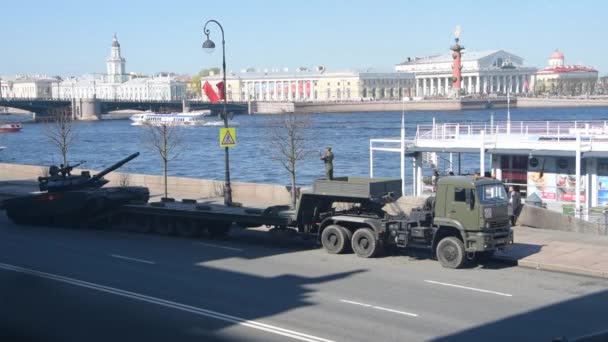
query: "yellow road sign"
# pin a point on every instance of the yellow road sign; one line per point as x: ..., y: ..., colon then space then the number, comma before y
x: 228, y: 137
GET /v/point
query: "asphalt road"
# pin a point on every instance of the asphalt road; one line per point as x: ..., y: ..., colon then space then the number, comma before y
x: 62, y: 284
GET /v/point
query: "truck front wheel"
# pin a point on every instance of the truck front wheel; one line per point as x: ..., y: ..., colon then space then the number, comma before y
x: 334, y: 239
x: 450, y: 252
x: 364, y: 243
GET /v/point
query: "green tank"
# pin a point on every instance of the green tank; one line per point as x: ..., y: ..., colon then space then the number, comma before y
x: 66, y: 199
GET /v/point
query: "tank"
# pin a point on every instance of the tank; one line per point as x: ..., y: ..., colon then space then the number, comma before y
x: 67, y: 199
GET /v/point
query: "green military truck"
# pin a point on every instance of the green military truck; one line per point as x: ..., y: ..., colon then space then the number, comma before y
x: 466, y: 220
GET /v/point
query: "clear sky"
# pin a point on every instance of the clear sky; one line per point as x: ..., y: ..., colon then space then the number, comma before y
x: 72, y: 37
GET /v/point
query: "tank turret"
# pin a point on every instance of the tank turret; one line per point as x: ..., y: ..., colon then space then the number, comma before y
x: 61, y: 180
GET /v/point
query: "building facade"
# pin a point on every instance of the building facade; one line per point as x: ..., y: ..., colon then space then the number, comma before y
x: 486, y: 72
x: 313, y: 85
x: 116, y: 84
x: 27, y: 87
x: 561, y: 79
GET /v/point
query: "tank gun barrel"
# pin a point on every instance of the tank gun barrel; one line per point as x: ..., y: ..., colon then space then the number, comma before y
x: 114, y: 167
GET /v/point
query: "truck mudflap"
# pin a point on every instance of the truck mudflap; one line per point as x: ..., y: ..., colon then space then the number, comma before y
x: 486, y: 241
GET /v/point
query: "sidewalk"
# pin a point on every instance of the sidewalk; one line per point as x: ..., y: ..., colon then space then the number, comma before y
x: 550, y: 250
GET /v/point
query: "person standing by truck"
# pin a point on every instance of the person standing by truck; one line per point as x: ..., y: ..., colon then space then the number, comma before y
x: 515, y: 201
x: 328, y: 159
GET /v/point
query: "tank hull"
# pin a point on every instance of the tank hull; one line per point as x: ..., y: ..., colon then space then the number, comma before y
x: 70, y: 207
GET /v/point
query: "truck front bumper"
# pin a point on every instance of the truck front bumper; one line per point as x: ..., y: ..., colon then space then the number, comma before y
x: 485, y: 241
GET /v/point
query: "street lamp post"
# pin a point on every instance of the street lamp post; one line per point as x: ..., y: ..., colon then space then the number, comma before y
x: 209, y: 46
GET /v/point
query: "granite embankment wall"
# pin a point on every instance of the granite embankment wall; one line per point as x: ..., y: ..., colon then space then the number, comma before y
x: 537, y: 217
x: 254, y: 194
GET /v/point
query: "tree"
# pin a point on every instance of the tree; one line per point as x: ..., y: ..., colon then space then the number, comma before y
x: 60, y: 131
x: 163, y: 139
x: 196, y: 80
x: 289, y: 143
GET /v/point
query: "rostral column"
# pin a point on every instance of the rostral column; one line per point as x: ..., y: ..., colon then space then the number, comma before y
x: 456, y: 66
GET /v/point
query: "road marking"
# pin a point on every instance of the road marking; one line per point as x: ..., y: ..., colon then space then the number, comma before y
x: 379, y: 308
x: 218, y: 246
x: 132, y: 259
x: 469, y: 288
x: 170, y: 304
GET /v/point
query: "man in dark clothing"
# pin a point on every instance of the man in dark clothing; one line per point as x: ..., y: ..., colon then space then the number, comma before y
x: 328, y: 159
x: 515, y: 200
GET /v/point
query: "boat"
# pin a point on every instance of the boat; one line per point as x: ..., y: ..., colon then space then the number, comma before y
x: 10, y: 127
x: 197, y: 118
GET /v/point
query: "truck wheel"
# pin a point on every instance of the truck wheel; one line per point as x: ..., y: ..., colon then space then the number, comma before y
x: 364, y: 243
x: 450, y: 252
x: 334, y: 239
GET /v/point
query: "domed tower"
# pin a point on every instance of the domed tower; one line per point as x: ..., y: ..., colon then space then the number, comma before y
x: 556, y: 59
x: 116, y: 64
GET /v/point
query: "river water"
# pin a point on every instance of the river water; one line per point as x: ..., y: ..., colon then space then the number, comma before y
x: 102, y: 143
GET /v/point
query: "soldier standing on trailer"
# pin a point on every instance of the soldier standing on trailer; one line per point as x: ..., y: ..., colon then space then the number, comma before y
x: 328, y: 159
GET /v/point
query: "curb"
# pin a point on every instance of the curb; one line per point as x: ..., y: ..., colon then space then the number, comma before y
x: 553, y: 268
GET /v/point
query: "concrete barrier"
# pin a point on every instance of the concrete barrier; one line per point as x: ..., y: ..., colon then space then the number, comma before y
x: 251, y: 194
x: 537, y: 217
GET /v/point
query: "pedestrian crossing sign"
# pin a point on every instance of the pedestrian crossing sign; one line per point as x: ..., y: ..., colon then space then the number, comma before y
x: 228, y: 137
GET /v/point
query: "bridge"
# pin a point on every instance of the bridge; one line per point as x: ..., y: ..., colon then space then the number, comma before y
x: 91, y: 109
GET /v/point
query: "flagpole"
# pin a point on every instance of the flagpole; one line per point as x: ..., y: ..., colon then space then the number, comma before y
x: 402, y: 148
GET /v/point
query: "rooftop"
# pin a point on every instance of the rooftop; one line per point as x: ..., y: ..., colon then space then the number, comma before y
x: 466, y: 56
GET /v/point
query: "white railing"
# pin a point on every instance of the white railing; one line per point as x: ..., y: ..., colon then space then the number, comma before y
x: 518, y: 129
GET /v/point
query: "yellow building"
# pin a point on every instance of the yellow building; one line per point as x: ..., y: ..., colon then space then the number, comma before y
x: 305, y: 84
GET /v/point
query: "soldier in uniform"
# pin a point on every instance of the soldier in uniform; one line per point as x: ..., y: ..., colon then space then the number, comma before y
x: 328, y: 159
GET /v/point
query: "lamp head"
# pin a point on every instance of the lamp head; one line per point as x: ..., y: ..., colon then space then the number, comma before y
x: 208, y: 45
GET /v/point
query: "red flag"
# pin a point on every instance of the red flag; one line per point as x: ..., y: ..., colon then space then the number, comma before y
x: 220, y: 90
x: 210, y: 92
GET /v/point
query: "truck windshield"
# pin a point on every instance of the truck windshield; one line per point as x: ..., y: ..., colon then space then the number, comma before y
x: 491, y: 193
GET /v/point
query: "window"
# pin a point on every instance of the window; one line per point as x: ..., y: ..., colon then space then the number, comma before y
x: 460, y: 195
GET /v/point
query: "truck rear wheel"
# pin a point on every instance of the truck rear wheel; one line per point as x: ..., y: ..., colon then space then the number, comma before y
x: 450, y: 252
x: 187, y: 228
x: 365, y: 244
x: 334, y: 239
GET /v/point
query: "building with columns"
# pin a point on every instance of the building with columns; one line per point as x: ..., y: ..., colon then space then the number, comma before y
x: 117, y: 84
x: 561, y: 79
x: 483, y: 72
x: 306, y: 84
x: 27, y: 87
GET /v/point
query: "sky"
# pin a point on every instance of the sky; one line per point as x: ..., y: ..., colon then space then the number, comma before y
x: 73, y: 37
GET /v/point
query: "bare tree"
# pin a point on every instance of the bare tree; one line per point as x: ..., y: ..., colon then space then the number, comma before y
x: 163, y: 139
x: 60, y: 131
x: 288, y: 143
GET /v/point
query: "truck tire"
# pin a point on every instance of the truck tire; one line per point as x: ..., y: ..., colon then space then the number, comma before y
x: 164, y: 225
x: 364, y: 243
x: 334, y: 239
x: 450, y: 252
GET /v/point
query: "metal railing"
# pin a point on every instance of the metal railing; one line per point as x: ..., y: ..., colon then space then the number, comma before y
x: 556, y: 130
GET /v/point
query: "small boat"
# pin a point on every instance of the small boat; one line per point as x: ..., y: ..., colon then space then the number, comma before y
x: 179, y: 119
x: 10, y: 127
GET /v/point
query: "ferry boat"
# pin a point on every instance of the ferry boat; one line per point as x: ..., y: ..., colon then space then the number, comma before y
x: 10, y: 127
x: 197, y: 118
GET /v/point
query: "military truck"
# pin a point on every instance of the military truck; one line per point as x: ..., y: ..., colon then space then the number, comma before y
x: 466, y: 219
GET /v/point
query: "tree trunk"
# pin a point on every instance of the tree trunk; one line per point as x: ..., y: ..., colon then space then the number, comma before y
x: 293, y: 189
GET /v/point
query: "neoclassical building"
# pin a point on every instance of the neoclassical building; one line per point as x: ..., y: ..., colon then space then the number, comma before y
x: 561, y: 79
x: 117, y: 84
x: 306, y: 84
x: 483, y: 72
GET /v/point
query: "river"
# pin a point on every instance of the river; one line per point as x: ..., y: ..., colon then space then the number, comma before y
x: 104, y: 142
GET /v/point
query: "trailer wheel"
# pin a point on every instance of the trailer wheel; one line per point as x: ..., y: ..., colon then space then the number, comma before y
x: 164, y: 225
x: 450, y: 252
x: 218, y: 229
x: 187, y: 228
x: 142, y: 224
x: 334, y: 239
x: 365, y: 244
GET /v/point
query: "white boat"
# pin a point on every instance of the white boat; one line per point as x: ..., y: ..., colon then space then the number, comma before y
x: 197, y: 118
